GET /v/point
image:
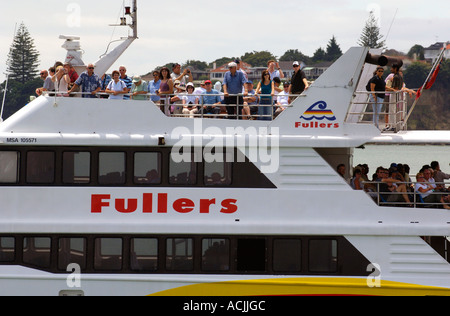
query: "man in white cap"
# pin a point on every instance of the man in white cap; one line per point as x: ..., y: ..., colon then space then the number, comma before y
x: 233, y: 84
x: 298, y: 81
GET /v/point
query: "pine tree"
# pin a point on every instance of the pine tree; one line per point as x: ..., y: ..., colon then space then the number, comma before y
x: 23, y: 58
x: 371, y: 36
x: 333, y: 50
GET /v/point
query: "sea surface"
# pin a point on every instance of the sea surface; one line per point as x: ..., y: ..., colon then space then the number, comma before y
x: 414, y: 156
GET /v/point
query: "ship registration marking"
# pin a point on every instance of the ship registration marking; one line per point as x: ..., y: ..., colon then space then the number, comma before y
x: 27, y: 140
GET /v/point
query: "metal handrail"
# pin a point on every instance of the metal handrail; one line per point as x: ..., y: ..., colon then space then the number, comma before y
x: 415, y: 202
x: 397, y: 102
x: 201, y: 105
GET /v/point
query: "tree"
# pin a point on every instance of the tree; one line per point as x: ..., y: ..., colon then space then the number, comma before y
x: 418, y: 51
x: 319, y: 55
x: 258, y: 59
x: 23, y: 58
x: 371, y: 36
x: 334, y: 52
x: 295, y: 55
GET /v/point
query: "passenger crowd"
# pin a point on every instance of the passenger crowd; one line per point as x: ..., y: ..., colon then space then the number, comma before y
x: 394, y: 186
x: 379, y: 89
x: 175, y: 93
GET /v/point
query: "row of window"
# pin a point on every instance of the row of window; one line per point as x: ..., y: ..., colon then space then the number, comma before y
x: 106, y: 168
x: 142, y: 254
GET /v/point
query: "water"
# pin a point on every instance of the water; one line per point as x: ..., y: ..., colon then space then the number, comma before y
x: 415, y: 156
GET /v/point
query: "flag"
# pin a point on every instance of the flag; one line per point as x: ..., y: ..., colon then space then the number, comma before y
x: 430, y: 81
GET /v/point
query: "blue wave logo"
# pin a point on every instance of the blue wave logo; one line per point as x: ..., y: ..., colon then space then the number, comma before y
x: 319, y: 111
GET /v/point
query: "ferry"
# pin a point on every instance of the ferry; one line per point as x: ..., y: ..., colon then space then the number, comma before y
x: 112, y: 197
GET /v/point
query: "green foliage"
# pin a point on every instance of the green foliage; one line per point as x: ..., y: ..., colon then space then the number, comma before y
x: 23, y: 58
x: 371, y: 36
x: 258, y: 59
x: 18, y: 95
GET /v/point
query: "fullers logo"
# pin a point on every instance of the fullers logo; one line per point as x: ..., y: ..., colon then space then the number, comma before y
x: 161, y: 203
x: 318, y: 116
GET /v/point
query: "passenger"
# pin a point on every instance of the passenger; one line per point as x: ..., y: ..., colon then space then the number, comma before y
x: 165, y: 89
x: 127, y: 80
x: 233, y: 84
x: 341, y: 170
x: 190, y: 101
x: 378, y: 88
x: 49, y: 85
x: 154, y: 86
x: 439, y: 176
x: 184, y: 77
x: 274, y: 69
x: 106, y: 79
x: 266, y: 88
x: 357, y: 181
x: 210, y: 100
x: 200, y: 90
x: 394, y: 83
x: 277, y: 83
x: 239, y: 68
x: 72, y: 74
x: 445, y: 200
x: 298, y: 81
x: 425, y: 189
x: 391, y: 185
x: 283, y: 100
x: 62, y: 80
x: 89, y: 81
x: 139, y: 89
x: 428, y: 174
x: 176, y: 100
x: 116, y: 88
x: 250, y: 102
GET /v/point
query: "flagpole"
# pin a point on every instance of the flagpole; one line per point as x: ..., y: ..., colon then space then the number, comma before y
x: 433, y: 69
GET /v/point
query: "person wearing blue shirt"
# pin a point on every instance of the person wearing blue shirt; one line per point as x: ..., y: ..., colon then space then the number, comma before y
x: 210, y: 100
x: 154, y: 86
x: 127, y: 80
x: 89, y: 81
x: 233, y: 84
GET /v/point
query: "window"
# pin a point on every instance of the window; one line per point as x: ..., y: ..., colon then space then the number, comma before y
x: 323, y: 256
x: 144, y: 254
x: 37, y: 251
x: 9, y: 167
x: 71, y: 250
x: 179, y: 254
x: 251, y: 255
x: 76, y: 167
x: 183, y: 172
x: 111, y: 168
x: 147, y: 168
x: 108, y: 254
x: 40, y: 167
x: 7, y: 249
x: 287, y: 255
x: 215, y: 254
x: 219, y: 173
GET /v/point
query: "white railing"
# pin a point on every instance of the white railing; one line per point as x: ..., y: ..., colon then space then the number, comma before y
x: 242, y: 111
x: 393, y: 114
x: 397, y: 199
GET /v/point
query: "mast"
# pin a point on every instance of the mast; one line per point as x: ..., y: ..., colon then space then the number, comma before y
x: 105, y: 62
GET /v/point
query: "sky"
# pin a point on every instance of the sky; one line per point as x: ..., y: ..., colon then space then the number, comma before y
x: 177, y: 31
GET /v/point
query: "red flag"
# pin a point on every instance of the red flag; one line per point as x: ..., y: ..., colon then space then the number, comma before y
x: 430, y: 82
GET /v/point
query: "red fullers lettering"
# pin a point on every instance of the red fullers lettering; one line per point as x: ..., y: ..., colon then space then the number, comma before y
x: 159, y: 203
x: 316, y: 125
